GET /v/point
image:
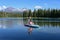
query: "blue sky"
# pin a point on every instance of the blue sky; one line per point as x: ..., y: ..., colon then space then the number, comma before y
x: 31, y: 4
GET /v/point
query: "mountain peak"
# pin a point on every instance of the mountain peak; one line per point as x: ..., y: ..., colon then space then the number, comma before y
x: 12, y: 9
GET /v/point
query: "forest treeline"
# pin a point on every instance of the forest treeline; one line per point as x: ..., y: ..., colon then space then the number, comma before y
x: 52, y: 13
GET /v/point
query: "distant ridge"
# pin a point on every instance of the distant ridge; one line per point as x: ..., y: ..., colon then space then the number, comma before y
x: 12, y: 9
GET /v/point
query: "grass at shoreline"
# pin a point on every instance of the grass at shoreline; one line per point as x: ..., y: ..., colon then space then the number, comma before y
x: 31, y: 17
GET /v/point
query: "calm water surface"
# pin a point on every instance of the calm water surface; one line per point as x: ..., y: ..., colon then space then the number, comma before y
x: 14, y: 29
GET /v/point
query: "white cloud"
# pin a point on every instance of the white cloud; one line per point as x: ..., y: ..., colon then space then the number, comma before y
x: 24, y: 9
x: 4, y: 7
x: 38, y: 7
x: 21, y: 10
x: 0, y: 7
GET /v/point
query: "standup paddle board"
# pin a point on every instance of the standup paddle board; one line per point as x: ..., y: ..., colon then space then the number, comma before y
x: 33, y: 26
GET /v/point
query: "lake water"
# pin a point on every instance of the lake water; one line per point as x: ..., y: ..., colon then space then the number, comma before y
x: 14, y: 29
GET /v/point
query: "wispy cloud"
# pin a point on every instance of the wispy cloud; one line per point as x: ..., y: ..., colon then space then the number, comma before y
x: 38, y: 7
x: 2, y: 7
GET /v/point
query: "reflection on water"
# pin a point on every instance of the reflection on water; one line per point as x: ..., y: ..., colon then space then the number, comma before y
x: 10, y: 23
x: 48, y: 22
x: 49, y: 26
x: 14, y: 29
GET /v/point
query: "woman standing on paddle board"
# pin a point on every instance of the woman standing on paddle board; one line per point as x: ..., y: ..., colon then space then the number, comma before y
x: 30, y: 21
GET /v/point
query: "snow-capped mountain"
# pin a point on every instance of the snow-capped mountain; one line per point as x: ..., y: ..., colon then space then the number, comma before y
x: 11, y: 9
